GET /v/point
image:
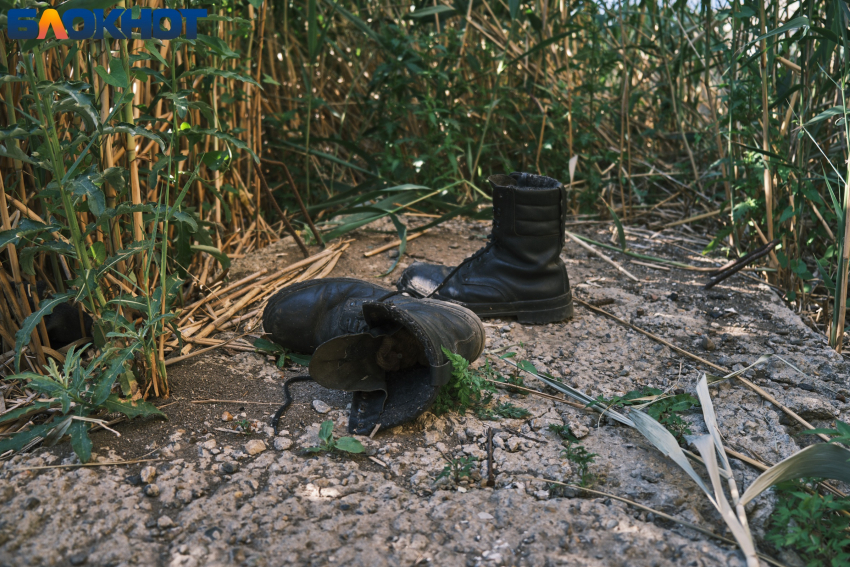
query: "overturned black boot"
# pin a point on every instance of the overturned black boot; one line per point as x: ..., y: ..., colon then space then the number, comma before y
x: 519, y: 273
x: 381, y: 345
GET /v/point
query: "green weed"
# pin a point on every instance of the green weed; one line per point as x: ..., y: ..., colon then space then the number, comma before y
x: 327, y: 443
x: 457, y: 468
x: 811, y: 524
x: 81, y: 392
x: 665, y: 410
x: 580, y: 457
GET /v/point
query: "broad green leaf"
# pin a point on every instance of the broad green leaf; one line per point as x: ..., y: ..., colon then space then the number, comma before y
x: 104, y: 382
x: 24, y: 334
x: 21, y: 439
x: 432, y: 11
x: 210, y: 71
x: 80, y: 441
x: 796, y: 23
x: 125, y: 128
x: 326, y: 431
x: 513, y: 6
x: 131, y: 409
x: 826, y: 114
x: 621, y: 235
x: 35, y: 407
x: 116, y: 76
x: 349, y: 445
x: 218, y: 46
x: 215, y: 253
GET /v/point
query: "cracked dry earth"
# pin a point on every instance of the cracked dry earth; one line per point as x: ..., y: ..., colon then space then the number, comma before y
x: 215, y: 497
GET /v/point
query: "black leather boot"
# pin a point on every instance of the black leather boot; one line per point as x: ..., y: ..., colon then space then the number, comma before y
x: 381, y: 345
x: 519, y: 273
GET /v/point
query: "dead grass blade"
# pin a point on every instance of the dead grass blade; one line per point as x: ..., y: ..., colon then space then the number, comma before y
x: 825, y: 460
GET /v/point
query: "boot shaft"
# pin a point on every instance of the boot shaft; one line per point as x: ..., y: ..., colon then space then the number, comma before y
x: 529, y: 216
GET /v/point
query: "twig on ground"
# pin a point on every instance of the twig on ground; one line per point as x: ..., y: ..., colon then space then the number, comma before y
x: 593, y: 250
x: 736, y: 266
x: 233, y: 402
x: 491, y: 475
x: 538, y: 393
x: 106, y: 464
x: 392, y: 244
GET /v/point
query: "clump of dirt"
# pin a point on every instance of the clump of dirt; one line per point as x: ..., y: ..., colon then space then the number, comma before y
x: 217, y: 496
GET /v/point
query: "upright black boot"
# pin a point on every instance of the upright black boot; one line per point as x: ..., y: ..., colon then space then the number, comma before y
x: 519, y: 273
x: 381, y: 345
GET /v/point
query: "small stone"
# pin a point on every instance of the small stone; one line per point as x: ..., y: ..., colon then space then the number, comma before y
x: 230, y: 467
x: 708, y: 344
x: 321, y: 407
x: 151, y: 490
x: 485, y: 516
x: 227, y: 416
x: 505, y: 329
x: 514, y: 444
x: 393, y: 253
x: 640, y: 312
x: 255, y: 447
x: 673, y: 296
x: 134, y: 480
x: 209, y: 444
x: 611, y: 524
x: 78, y: 558
x: 807, y: 387
x: 31, y: 503
x: 164, y: 522
x: 282, y: 443
x: 148, y: 474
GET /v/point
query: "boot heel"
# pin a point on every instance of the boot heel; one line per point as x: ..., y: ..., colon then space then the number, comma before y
x: 546, y: 316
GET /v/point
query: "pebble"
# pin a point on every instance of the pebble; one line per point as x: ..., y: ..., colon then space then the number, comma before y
x: 227, y: 416
x: 485, y: 516
x: 209, y: 444
x: 147, y: 474
x: 255, y: 447
x: 31, y: 503
x: 151, y: 490
x: 229, y: 467
x: 78, y: 558
x: 164, y: 522
x: 708, y: 344
x: 321, y: 407
x: 393, y: 253
x: 505, y: 329
x: 282, y: 443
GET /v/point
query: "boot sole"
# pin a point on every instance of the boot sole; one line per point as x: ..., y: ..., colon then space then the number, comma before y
x: 538, y: 311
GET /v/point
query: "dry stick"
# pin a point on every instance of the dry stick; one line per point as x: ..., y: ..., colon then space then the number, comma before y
x: 589, y: 248
x: 694, y: 218
x: 171, y: 361
x: 233, y: 402
x: 656, y: 512
x: 106, y: 464
x: 298, y: 198
x: 286, y: 224
x: 540, y: 394
x: 740, y: 263
x: 393, y: 244
x: 681, y: 351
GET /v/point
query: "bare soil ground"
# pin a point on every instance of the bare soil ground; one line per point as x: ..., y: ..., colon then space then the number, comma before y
x: 213, y: 496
